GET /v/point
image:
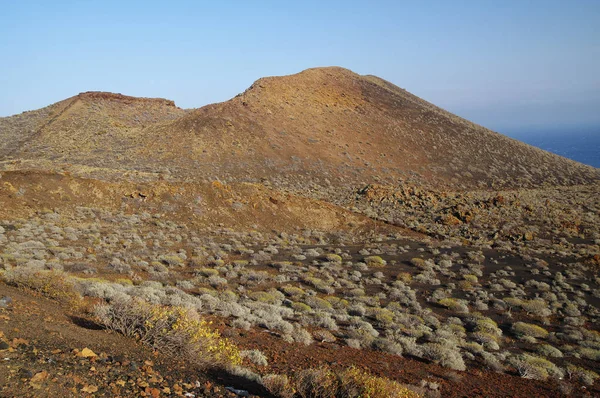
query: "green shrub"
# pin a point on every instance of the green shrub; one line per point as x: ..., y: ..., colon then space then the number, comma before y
x: 549, y: 351
x: 522, y: 329
x: 444, y: 355
x: 473, y: 347
x: 582, y: 375
x: 358, y: 383
x: 589, y: 353
x: 318, y: 303
x: 384, y: 316
x: 334, y: 258
x: 301, y: 307
x: 534, y: 367
x: 488, y: 325
x: 264, y: 297
x: 453, y: 304
x: 457, y: 330
x: 513, y: 301
x: 489, y: 340
x: 292, y: 291
x: 537, y: 307
x: 337, y: 302
x: 207, y: 272
x: 356, y: 292
x: 418, y: 262
x: 404, y: 277
x: 240, y: 263
x: 319, y: 284
x: 172, y: 260
x: 591, y: 335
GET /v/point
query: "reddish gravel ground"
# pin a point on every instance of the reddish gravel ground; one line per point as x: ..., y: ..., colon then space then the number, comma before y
x: 285, y: 358
x: 42, y: 355
x: 42, y: 341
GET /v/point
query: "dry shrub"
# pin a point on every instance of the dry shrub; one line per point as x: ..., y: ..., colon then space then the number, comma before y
x: 358, y: 383
x: 349, y: 383
x: 321, y: 383
x: 49, y: 283
x: 175, y: 330
x: 279, y: 385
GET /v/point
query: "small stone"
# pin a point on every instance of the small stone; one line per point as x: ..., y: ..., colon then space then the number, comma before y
x: 239, y: 393
x: 87, y: 353
x: 5, y: 301
x: 89, y: 389
x: 118, y: 358
x: 4, y: 345
x: 37, y: 380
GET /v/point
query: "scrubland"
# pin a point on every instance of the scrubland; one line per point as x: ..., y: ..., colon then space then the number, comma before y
x: 520, y: 296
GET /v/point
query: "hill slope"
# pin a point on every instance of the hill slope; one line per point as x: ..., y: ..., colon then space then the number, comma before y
x: 323, y: 125
x: 91, y: 125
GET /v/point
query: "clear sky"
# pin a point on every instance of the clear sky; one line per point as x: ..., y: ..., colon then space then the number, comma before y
x: 508, y: 65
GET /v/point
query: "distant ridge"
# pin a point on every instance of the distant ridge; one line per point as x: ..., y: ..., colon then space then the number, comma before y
x: 101, y: 95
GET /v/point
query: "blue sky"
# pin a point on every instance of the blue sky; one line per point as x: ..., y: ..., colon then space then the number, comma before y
x: 508, y: 65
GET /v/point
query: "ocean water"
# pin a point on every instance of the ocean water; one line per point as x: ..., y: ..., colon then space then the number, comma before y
x: 582, y: 145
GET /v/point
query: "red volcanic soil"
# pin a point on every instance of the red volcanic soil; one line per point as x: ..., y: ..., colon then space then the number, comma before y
x: 44, y: 339
x: 287, y: 358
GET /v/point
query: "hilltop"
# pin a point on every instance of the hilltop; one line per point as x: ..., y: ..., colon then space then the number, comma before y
x: 93, y: 125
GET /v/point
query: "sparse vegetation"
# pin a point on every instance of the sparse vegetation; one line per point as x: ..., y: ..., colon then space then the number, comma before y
x: 49, y: 283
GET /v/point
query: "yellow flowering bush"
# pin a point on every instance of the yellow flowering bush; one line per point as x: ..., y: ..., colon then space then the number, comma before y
x: 175, y: 330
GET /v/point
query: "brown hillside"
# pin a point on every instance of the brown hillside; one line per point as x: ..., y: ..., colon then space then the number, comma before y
x: 323, y: 125
x: 332, y: 123
x: 203, y: 205
x: 92, y: 125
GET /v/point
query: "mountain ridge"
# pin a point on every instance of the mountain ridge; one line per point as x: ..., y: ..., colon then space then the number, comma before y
x: 328, y: 125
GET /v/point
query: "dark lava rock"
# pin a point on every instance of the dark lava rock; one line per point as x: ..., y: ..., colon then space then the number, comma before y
x: 25, y: 373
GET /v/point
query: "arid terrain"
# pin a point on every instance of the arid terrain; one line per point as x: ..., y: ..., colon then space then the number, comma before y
x: 323, y: 234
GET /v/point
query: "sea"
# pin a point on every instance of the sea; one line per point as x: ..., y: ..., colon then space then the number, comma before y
x: 580, y: 144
